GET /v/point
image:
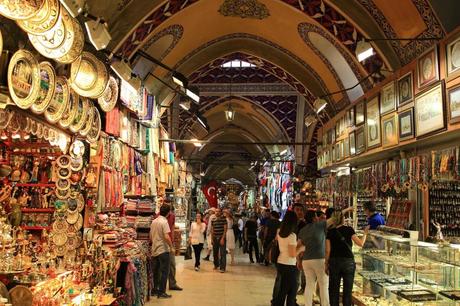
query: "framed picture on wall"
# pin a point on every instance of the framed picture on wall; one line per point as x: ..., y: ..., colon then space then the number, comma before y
x: 429, y: 111
x: 453, y: 57
x: 428, y: 68
x: 346, y: 147
x: 406, y: 125
x: 453, y: 102
x: 352, y: 143
x: 388, y: 98
x: 373, y: 123
x: 405, y: 89
x: 360, y: 146
x: 359, y: 113
x: 352, y: 117
x: 389, y: 130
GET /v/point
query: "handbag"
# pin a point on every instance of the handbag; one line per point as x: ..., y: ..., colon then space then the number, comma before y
x: 188, y: 253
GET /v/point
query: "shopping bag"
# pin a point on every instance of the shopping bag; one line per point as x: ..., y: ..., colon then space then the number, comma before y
x: 188, y: 253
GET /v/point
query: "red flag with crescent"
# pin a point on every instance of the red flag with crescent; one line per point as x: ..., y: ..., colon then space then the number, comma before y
x: 210, y: 192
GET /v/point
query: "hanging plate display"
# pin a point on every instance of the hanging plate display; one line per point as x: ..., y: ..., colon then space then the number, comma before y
x: 24, y: 78
x: 64, y: 173
x: 88, y: 76
x: 76, y: 164
x: 77, y: 149
x: 58, y: 104
x: 59, y: 238
x: 21, y: 295
x: 71, y: 110
x: 81, y: 115
x: 109, y: 98
x: 72, y: 205
x: 89, y: 121
x: 63, y: 161
x: 63, y: 42
x: 81, y: 202
x: 72, y: 241
x: 44, y: 20
x: 47, y: 85
x: 5, y: 117
x: 60, y: 250
x: 72, y: 217
x: 63, y: 184
x: 79, y: 223
x: 14, y: 126
x: 39, y: 130
x: 20, y: 9
x: 60, y: 225
x: 95, y: 130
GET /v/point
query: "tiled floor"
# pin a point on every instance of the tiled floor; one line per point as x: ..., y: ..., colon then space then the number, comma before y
x: 243, y: 284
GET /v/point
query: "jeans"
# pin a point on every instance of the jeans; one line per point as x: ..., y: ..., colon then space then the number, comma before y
x: 252, y: 243
x: 219, y: 252
x: 160, y: 272
x: 239, y: 237
x: 197, y: 250
x: 314, y: 270
x: 172, y: 270
x: 286, y: 281
x: 341, y: 268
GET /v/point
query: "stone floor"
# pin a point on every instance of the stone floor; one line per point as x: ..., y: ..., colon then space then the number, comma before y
x: 243, y: 284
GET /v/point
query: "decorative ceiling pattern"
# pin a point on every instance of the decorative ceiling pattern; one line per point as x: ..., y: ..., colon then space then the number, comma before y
x: 244, y: 9
x: 218, y: 74
x: 408, y: 51
x: 175, y: 30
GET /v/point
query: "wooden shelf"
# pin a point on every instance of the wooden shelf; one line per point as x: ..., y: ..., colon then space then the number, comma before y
x: 37, y: 210
x: 138, y: 196
x: 35, y: 185
x: 35, y: 228
x: 36, y: 153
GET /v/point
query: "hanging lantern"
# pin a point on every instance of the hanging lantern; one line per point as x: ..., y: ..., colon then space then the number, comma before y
x: 230, y: 113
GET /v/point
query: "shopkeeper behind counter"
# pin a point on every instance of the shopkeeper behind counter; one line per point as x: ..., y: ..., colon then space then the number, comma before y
x: 374, y: 218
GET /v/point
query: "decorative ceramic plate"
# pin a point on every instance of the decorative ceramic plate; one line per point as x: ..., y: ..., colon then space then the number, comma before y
x: 46, y: 133
x: 95, y: 130
x: 15, y: 124
x: 72, y: 241
x: 44, y: 20
x: 33, y: 127
x: 72, y: 216
x: 71, y: 110
x: 89, y: 76
x: 81, y: 115
x: 59, y: 238
x: 39, y: 130
x: 64, y: 173
x: 20, y: 9
x: 77, y: 149
x: 21, y: 295
x: 81, y: 202
x: 47, y: 86
x: 79, y: 223
x: 60, y: 226
x: 5, y: 117
x: 59, y: 102
x: 76, y: 164
x: 89, y: 121
x: 109, y: 98
x: 72, y: 205
x: 63, y: 184
x: 60, y: 250
x: 63, y: 161
x: 63, y: 194
x: 75, y: 50
x: 24, y: 78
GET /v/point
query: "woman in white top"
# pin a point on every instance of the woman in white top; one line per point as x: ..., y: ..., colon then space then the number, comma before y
x: 231, y: 245
x: 285, y: 289
x: 196, y: 236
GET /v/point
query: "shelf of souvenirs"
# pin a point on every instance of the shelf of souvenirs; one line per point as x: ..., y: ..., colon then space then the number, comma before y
x: 36, y: 185
x: 37, y: 210
x: 35, y: 228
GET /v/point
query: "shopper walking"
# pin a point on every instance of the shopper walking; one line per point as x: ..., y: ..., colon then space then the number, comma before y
x: 197, y: 230
x: 219, y: 232
x: 271, y: 229
x: 374, y: 218
x: 313, y: 237
x: 299, y: 210
x: 250, y: 237
x: 239, y: 236
x: 172, y: 268
x: 340, y: 261
x: 161, y: 246
x: 212, y: 217
x: 284, y: 293
x: 230, y: 237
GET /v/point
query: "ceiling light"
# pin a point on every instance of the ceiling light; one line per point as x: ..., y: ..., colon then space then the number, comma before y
x: 194, y: 96
x: 98, y: 33
x: 230, y: 113
x: 309, y: 120
x: 363, y: 50
x: 74, y: 7
x: 122, y: 69
x: 185, y: 105
x: 319, y: 104
x: 196, y: 142
x: 179, y: 79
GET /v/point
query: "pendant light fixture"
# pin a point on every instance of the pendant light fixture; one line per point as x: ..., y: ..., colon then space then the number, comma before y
x: 230, y: 113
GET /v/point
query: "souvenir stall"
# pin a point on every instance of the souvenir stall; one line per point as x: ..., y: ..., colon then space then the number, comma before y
x: 275, y: 186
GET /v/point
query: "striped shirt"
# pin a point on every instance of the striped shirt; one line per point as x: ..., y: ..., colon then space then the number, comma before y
x: 218, y: 226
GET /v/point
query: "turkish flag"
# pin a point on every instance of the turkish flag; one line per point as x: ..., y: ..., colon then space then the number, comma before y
x: 210, y: 192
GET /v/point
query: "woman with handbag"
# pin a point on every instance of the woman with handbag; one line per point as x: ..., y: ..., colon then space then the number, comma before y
x: 285, y: 288
x: 196, y: 238
x: 340, y: 261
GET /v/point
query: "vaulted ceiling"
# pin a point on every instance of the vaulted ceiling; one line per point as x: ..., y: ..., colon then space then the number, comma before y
x: 301, y: 49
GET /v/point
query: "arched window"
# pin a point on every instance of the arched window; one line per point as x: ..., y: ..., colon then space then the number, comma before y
x: 237, y: 64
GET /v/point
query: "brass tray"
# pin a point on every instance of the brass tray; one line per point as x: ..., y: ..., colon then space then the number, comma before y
x: 71, y: 110
x: 89, y: 121
x: 89, y: 76
x: 24, y: 78
x: 47, y: 86
x: 20, y: 9
x: 81, y: 115
x: 44, y: 20
x: 109, y: 98
x: 95, y: 130
x: 59, y: 102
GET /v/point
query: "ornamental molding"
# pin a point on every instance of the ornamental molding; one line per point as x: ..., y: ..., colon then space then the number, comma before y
x: 244, y: 9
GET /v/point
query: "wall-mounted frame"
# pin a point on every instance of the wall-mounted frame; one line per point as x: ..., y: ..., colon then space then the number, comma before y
x: 406, y: 126
x: 373, y: 123
x: 346, y: 147
x: 405, y: 89
x: 453, y: 103
x: 352, y: 117
x: 360, y: 136
x: 351, y: 137
x: 428, y: 68
x: 388, y: 98
x: 429, y: 111
x: 360, y: 116
x: 390, y: 130
x: 453, y: 57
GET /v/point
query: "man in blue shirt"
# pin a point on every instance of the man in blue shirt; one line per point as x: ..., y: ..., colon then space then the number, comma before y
x: 374, y: 219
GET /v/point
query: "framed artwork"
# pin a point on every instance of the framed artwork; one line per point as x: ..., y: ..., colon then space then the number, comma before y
x: 338, y: 152
x: 337, y: 129
x: 390, y: 130
x: 388, y: 98
x: 428, y: 68
x: 429, y: 111
x: 453, y: 57
x: 360, y: 146
x: 373, y: 123
x: 346, y: 147
x: 352, y: 143
x: 405, y: 89
x: 453, y: 101
x: 359, y: 113
x: 352, y: 117
x: 406, y: 124
x: 341, y: 149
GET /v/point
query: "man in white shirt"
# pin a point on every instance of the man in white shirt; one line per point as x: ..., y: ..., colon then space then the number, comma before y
x: 240, y: 231
x: 212, y: 217
x: 161, y: 246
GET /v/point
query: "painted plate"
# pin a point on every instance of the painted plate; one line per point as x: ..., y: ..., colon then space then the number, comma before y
x: 59, y: 102
x: 89, y: 121
x: 89, y: 76
x: 63, y: 194
x: 95, y: 130
x: 81, y: 202
x: 60, y: 238
x: 47, y: 86
x: 72, y: 216
x: 72, y: 241
x: 76, y: 164
x: 60, y: 226
x: 79, y: 223
x: 81, y: 115
x: 71, y: 110
x: 63, y: 161
x: 77, y: 149
x: 60, y: 250
x: 5, y: 117
x: 64, y: 173
x: 63, y: 184
x: 109, y: 98
x: 44, y: 20
x: 24, y: 78
x: 20, y: 9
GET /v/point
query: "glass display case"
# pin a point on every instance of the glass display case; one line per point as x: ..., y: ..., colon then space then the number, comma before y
x: 394, y: 268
